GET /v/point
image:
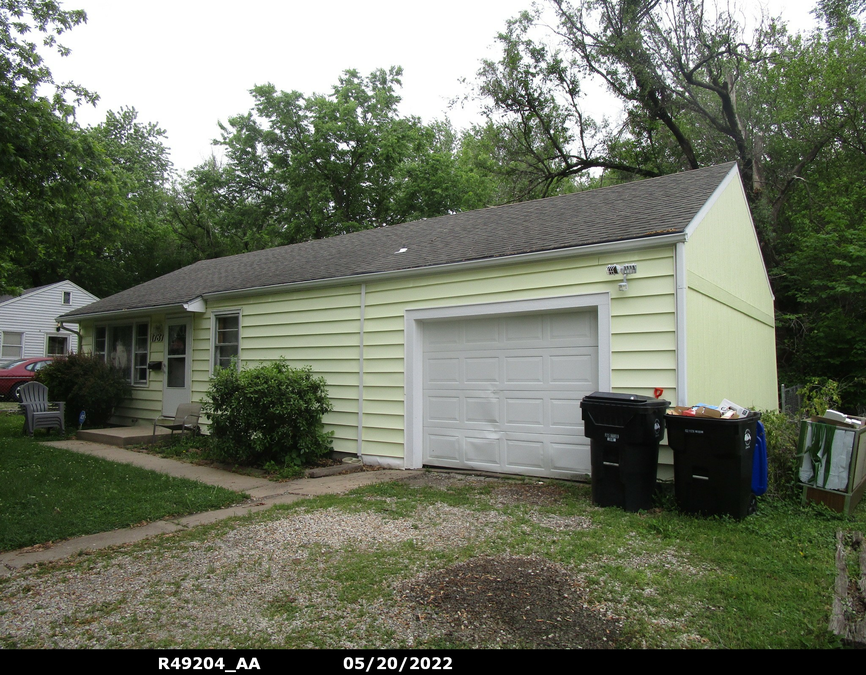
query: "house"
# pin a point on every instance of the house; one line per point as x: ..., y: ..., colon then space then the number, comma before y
x: 469, y: 340
x: 27, y: 322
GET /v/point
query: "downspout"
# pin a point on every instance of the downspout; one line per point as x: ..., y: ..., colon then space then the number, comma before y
x: 361, y: 373
x: 682, y: 287
x: 62, y: 326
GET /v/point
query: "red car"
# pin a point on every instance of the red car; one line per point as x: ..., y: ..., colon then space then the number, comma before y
x: 15, y: 373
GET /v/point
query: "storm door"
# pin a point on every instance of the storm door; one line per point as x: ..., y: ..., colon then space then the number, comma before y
x: 178, y: 371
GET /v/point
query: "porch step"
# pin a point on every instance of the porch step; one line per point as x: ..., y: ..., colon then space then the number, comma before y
x: 124, y: 436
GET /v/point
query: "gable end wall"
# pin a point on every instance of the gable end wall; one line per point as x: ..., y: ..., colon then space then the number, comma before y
x: 730, y: 331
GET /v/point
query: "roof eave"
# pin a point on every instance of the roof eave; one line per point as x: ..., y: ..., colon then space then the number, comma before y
x: 536, y: 256
x: 197, y: 304
x: 132, y: 311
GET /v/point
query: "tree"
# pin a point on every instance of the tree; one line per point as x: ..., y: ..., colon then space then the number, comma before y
x: 815, y: 107
x: 302, y: 167
x: 100, y: 221
x: 40, y: 155
x: 674, y: 66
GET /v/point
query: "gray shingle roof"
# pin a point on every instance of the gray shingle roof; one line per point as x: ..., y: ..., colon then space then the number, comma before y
x: 641, y: 209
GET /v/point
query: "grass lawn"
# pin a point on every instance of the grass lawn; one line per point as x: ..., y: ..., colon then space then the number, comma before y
x: 48, y: 494
x: 376, y: 569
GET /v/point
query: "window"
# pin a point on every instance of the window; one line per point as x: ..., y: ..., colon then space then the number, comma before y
x: 12, y: 345
x: 226, y: 340
x: 124, y: 347
x: 58, y: 345
x: 67, y: 297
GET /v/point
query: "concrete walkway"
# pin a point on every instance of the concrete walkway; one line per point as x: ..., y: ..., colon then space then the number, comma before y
x: 263, y: 493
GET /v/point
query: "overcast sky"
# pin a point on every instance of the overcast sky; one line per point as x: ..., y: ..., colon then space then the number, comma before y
x: 187, y: 64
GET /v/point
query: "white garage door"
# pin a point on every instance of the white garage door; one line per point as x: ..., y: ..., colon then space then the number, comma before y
x: 503, y: 394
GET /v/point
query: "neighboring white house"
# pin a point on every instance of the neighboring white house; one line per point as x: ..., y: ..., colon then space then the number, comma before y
x: 28, y: 324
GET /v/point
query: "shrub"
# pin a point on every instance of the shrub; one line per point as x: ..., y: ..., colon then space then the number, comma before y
x: 86, y: 383
x: 783, y: 467
x: 818, y: 395
x: 272, y: 413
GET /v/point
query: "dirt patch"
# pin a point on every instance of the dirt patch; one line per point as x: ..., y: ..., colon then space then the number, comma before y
x: 510, y: 602
x: 442, y: 481
x: 533, y: 494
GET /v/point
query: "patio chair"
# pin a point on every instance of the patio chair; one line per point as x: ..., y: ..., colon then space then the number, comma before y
x: 185, y: 418
x: 39, y: 412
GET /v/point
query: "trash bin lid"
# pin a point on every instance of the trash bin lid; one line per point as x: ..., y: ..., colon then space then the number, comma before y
x: 613, y: 398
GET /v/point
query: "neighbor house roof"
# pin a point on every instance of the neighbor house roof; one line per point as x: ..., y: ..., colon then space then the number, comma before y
x: 638, y: 210
x: 27, y: 291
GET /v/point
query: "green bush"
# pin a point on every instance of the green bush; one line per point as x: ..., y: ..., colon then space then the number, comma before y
x: 783, y: 467
x: 86, y: 383
x: 272, y: 413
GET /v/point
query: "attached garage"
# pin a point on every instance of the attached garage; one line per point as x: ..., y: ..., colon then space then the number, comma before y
x: 500, y: 390
x: 469, y: 340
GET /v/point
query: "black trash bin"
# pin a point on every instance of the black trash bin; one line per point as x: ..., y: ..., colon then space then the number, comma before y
x: 624, y: 432
x: 713, y: 461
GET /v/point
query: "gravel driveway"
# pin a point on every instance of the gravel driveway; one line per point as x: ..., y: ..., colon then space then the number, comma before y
x: 288, y: 578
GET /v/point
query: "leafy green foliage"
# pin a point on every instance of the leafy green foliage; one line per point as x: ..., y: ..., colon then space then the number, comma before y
x: 272, y: 413
x: 674, y: 66
x: 818, y: 395
x: 82, y: 204
x: 782, y: 431
x: 301, y: 167
x: 86, y: 383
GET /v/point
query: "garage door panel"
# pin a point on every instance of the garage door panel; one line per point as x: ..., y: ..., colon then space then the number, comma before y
x: 443, y: 409
x: 482, y: 410
x: 442, y: 371
x: 503, y: 394
x: 481, y: 331
x: 524, y: 329
x: 577, y: 329
x: 574, y: 369
x: 484, y: 451
x: 569, y: 458
x: 524, y: 454
x: 566, y: 413
x: 481, y: 369
x: 524, y: 412
x: 443, y: 447
x: 439, y: 334
x: 524, y: 369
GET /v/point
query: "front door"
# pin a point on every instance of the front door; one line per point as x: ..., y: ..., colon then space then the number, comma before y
x: 178, y: 344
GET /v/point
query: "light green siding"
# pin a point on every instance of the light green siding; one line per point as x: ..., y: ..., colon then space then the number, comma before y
x: 313, y: 327
x: 320, y: 327
x: 637, y: 365
x: 730, y: 327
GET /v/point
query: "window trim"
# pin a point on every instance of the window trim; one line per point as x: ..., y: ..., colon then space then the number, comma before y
x: 134, y: 352
x: 66, y: 297
x: 3, y: 345
x: 65, y: 336
x: 215, y: 316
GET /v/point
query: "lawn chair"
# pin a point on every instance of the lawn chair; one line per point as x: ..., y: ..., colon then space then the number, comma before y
x: 185, y: 418
x: 39, y: 412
